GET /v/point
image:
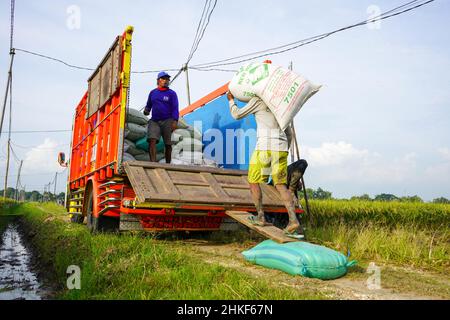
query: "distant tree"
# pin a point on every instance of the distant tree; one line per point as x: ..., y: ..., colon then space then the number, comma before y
x: 33, y: 196
x: 309, y: 193
x: 321, y: 194
x: 415, y: 199
x: 441, y: 200
x: 364, y: 197
x: 386, y: 197
x: 9, y: 193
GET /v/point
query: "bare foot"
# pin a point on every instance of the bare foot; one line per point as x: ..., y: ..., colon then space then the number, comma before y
x: 260, y: 221
x: 292, y: 227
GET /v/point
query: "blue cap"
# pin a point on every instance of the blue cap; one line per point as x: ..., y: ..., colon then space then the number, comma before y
x: 162, y: 75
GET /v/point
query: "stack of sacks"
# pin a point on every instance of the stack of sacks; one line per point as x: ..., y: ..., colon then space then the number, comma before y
x: 135, y: 129
x: 188, y: 147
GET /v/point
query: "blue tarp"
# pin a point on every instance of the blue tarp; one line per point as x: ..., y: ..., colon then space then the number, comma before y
x: 239, y: 137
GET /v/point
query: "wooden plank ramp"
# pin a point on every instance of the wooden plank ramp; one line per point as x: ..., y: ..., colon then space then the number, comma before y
x: 271, y: 232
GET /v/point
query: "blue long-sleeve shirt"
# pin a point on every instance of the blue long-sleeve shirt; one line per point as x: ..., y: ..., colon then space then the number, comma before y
x: 164, y: 104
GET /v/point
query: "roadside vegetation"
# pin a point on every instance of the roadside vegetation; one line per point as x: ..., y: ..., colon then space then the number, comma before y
x: 402, y: 236
x: 135, y: 266
x: 400, y: 233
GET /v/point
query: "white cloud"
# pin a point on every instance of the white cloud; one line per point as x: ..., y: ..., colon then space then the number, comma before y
x: 445, y: 153
x: 42, y: 159
x: 331, y: 154
x: 341, y: 161
x: 441, y: 171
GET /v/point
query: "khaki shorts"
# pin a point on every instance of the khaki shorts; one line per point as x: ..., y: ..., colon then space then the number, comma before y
x: 266, y: 163
x: 156, y: 129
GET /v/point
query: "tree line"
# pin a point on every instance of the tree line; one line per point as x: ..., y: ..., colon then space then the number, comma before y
x: 33, y: 196
x: 321, y: 194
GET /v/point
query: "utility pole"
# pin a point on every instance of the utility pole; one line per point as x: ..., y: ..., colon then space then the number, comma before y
x: 48, y: 192
x: 291, y: 67
x: 9, y: 90
x: 8, y: 84
x: 23, y: 194
x: 297, y: 150
x: 186, y: 69
x: 7, y: 168
x: 9, y: 132
x: 16, y: 192
x: 54, y: 191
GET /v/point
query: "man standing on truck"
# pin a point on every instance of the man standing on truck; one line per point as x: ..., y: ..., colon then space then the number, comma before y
x: 269, y: 158
x: 163, y: 102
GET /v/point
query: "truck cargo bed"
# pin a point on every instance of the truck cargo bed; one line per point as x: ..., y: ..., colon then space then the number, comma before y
x: 154, y: 182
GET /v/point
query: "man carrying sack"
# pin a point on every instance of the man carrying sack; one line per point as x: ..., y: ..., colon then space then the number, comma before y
x: 269, y: 158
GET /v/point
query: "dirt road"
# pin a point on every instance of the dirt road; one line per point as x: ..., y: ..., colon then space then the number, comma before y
x: 396, y: 283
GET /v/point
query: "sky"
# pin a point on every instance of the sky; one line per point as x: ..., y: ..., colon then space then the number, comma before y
x: 380, y: 124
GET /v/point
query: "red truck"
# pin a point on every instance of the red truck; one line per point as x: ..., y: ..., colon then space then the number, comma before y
x: 110, y: 194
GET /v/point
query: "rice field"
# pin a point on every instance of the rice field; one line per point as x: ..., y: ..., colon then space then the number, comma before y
x: 391, y: 214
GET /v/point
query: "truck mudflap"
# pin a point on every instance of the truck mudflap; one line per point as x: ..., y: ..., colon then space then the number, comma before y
x: 154, y: 182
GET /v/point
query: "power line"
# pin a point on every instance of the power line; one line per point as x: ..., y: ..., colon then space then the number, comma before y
x: 209, y: 66
x: 39, y: 131
x: 300, y: 41
x: 155, y: 71
x: 70, y: 65
x: 54, y: 59
x: 38, y: 147
x: 37, y: 174
x: 90, y: 69
x: 203, y: 25
x: 206, y: 26
x: 303, y: 42
x: 198, y: 30
x: 14, y: 154
x: 201, y: 29
x: 213, y: 69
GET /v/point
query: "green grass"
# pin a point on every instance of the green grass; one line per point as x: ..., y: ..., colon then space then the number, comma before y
x: 390, y: 214
x: 136, y: 266
x: 401, y: 246
x: 6, y: 205
x: 404, y: 234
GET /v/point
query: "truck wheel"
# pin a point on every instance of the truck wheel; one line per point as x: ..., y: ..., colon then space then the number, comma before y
x: 92, y: 222
x: 77, y: 217
x: 108, y: 224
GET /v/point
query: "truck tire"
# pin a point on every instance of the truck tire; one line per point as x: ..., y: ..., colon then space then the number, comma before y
x: 77, y: 218
x: 108, y: 224
x: 99, y: 224
x: 92, y: 222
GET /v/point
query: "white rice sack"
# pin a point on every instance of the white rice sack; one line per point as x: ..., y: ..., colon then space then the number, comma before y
x: 134, y: 132
x: 189, y: 132
x: 128, y: 157
x: 210, y: 163
x: 189, y: 156
x: 130, y: 147
x: 184, y: 130
x: 188, y: 144
x: 182, y: 124
x: 284, y: 91
x: 136, y: 117
x: 178, y: 162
